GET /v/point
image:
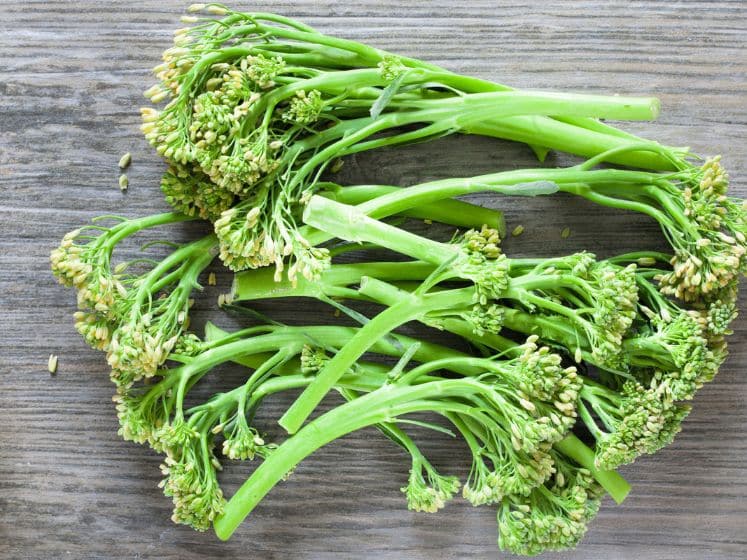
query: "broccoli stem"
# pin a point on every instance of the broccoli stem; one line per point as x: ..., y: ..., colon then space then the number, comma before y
x: 351, y: 224
x: 615, y: 485
x: 450, y: 211
x: 456, y: 113
x: 258, y: 347
x: 202, y: 252
x: 379, y: 406
x: 260, y: 283
x: 520, y: 182
x: 128, y: 227
x: 373, y: 408
x: 566, y: 137
x: 367, y: 377
x: 402, y: 312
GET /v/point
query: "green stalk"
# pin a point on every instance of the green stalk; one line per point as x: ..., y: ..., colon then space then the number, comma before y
x: 131, y: 226
x: 274, y: 338
x: 260, y: 283
x: 507, y: 182
x: 512, y: 103
x: 351, y: 224
x: 565, y: 137
x: 588, y: 193
x: 615, y: 485
x: 377, y: 328
x: 459, y: 112
x: 520, y: 182
x: 453, y: 212
x: 204, y: 250
x: 379, y: 406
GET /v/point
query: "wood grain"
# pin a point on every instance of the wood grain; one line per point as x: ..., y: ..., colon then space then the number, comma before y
x: 71, y: 76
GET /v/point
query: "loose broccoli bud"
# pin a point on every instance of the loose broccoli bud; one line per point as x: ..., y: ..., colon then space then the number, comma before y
x: 553, y: 516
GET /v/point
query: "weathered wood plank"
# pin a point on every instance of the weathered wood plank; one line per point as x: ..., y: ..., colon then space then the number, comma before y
x: 71, y: 76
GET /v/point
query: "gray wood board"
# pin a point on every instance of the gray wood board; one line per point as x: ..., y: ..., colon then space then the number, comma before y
x: 71, y: 77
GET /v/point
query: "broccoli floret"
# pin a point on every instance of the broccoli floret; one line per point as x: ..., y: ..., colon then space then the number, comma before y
x: 636, y: 420
x: 426, y: 489
x: 553, y: 516
x: 190, y: 475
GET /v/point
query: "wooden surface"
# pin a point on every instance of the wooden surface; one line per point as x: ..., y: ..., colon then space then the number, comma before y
x: 71, y: 76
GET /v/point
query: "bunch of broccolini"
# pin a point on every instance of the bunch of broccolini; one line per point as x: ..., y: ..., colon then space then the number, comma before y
x: 258, y: 105
x: 572, y: 366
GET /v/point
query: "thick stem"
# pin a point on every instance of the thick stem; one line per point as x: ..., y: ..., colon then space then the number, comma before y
x: 349, y: 223
x: 453, y: 212
x: 566, y: 137
x: 378, y: 407
x: 459, y: 112
x: 260, y: 283
x: 517, y: 183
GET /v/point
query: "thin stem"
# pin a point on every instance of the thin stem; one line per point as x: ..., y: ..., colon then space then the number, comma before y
x: 376, y: 407
x: 376, y: 329
x: 615, y: 485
